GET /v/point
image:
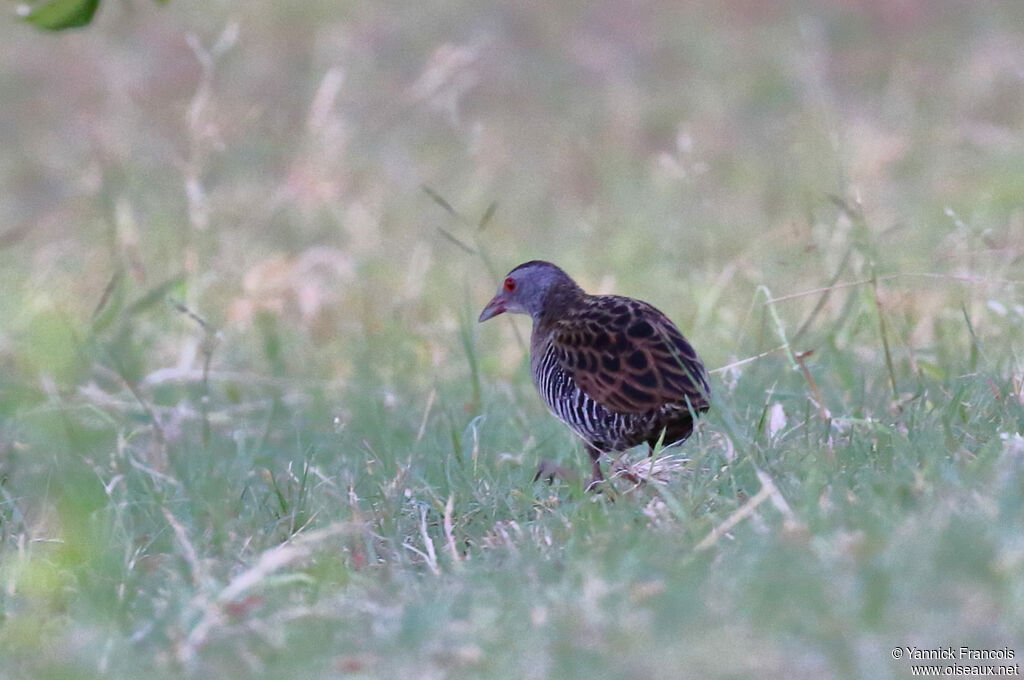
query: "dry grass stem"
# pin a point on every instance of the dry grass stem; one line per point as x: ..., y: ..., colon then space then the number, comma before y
x: 269, y: 562
x: 767, y: 491
x: 448, y: 534
x: 430, y: 556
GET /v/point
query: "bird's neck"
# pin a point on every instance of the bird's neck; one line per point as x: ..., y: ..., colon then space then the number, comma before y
x: 556, y: 302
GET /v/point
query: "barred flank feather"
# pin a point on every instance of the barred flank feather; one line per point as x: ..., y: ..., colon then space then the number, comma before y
x: 600, y: 427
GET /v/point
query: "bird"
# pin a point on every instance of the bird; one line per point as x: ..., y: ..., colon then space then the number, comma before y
x: 614, y: 369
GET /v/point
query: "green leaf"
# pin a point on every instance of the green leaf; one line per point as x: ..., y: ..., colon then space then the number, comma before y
x: 110, y: 303
x: 58, y: 15
x: 154, y: 296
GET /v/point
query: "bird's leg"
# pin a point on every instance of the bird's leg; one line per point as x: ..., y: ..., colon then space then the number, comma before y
x: 598, y: 476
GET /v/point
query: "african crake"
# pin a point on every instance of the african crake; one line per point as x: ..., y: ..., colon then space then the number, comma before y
x: 614, y: 369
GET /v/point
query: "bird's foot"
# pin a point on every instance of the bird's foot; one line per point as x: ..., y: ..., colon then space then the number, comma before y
x: 548, y: 470
x: 601, y: 488
x: 629, y: 476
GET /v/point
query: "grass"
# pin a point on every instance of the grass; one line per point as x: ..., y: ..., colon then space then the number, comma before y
x: 250, y: 428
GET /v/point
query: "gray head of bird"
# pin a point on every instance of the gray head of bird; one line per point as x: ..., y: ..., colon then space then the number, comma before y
x: 533, y: 288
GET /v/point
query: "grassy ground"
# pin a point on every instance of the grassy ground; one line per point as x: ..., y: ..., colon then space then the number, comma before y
x: 249, y: 426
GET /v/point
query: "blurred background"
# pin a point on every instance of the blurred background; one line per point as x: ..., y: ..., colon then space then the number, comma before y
x: 268, y: 228
x: 271, y: 160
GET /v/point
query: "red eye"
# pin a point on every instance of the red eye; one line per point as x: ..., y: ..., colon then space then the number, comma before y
x: 510, y: 284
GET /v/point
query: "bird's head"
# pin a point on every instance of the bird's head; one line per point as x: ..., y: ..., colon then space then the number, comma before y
x: 530, y: 289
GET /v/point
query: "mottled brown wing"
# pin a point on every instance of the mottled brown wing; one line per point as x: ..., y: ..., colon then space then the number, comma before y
x: 629, y: 357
